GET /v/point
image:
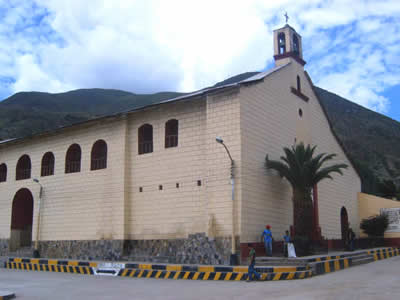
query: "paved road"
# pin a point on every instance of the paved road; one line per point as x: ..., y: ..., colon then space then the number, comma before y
x: 377, y: 280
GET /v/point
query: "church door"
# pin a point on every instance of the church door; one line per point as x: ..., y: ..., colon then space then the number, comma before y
x: 344, y: 222
x: 21, y: 220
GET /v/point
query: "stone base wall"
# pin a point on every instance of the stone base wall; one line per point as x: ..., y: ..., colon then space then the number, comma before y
x: 3, y: 247
x: 83, y: 250
x: 196, y: 249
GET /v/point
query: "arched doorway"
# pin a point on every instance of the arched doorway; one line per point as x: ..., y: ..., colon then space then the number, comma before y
x: 344, y: 222
x: 21, y: 220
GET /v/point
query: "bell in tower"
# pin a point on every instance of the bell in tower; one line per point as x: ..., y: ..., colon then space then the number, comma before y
x: 287, y: 46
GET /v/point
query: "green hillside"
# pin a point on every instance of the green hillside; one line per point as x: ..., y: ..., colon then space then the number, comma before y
x: 372, y: 140
x: 28, y: 113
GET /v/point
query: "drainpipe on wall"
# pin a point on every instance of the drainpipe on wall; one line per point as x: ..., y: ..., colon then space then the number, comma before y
x: 36, y: 246
x: 233, y: 258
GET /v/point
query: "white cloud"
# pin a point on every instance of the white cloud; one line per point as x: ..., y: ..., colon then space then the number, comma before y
x: 26, y: 64
x: 352, y: 47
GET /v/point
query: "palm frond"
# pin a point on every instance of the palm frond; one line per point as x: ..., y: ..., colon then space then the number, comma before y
x: 325, y: 172
x: 281, y: 168
x: 301, y: 168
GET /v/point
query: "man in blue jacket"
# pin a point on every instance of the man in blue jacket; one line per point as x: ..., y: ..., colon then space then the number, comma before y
x: 267, y: 236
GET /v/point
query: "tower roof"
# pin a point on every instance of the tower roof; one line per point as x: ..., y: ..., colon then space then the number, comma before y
x: 286, y: 26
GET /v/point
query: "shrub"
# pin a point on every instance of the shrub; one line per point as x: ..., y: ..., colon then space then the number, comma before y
x: 375, y: 226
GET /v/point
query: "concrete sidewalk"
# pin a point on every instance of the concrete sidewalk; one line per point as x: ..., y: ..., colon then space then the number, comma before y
x: 309, y: 266
x: 379, y: 280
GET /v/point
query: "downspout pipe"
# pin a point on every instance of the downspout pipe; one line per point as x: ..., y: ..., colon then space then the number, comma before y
x: 36, y: 253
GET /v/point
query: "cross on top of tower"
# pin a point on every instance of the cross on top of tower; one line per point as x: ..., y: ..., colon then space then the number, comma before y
x: 286, y: 16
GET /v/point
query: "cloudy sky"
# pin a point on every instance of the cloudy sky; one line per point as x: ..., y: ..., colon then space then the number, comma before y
x: 352, y: 47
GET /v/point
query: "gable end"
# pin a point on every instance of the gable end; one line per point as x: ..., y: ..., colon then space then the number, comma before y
x: 330, y: 125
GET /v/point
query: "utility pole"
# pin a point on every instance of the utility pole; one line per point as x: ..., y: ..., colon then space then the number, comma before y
x: 233, y: 258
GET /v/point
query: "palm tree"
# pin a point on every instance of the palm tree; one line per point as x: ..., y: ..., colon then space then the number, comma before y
x: 303, y: 171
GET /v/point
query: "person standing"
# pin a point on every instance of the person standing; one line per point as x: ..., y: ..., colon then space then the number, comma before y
x: 252, y: 262
x: 267, y: 236
x: 286, y: 241
x: 351, y: 237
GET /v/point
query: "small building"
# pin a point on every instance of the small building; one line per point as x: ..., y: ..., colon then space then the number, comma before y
x: 153, y: 182
x: 370, y: 205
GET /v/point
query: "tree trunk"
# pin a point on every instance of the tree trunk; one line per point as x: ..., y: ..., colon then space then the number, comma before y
x: 303, y: 220
x: 302, y: 213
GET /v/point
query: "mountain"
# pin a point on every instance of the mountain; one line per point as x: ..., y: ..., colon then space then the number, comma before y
x: 27, y: 113
x: 371, y: 140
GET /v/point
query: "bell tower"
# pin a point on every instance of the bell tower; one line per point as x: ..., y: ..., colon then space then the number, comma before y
x: 287, y: 46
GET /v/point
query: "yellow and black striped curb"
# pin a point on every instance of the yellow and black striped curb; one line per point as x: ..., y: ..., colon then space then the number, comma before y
x: 50, y: 268
x: 196, y: 268
x: 322, y: 265
x: 332, y: 265
x: 164, y: 274
x: 201, y: 272
x: 6, y: 296
x: 325, y: 258
x: 226, y: 276
x: 384, y: 253
x: 370, y: 252
x: 161, y: 271
x: 58, y: 262
x: 159, y: 267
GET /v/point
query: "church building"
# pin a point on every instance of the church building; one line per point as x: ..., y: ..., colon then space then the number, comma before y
x: 156, y: 183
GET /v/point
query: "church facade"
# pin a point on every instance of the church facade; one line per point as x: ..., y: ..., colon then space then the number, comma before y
x: 154, y: 182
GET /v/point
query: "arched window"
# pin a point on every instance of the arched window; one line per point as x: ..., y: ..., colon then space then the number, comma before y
x: 3, y: 172
x: 98, y: 156
x: 296, y: 48
x: 47, y: 164
x: 145, y: 139
x: 281, y: 43
x: 73, y: 159
x: 23, y: 168
x: 171, y: 133
x: 298, y: 84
